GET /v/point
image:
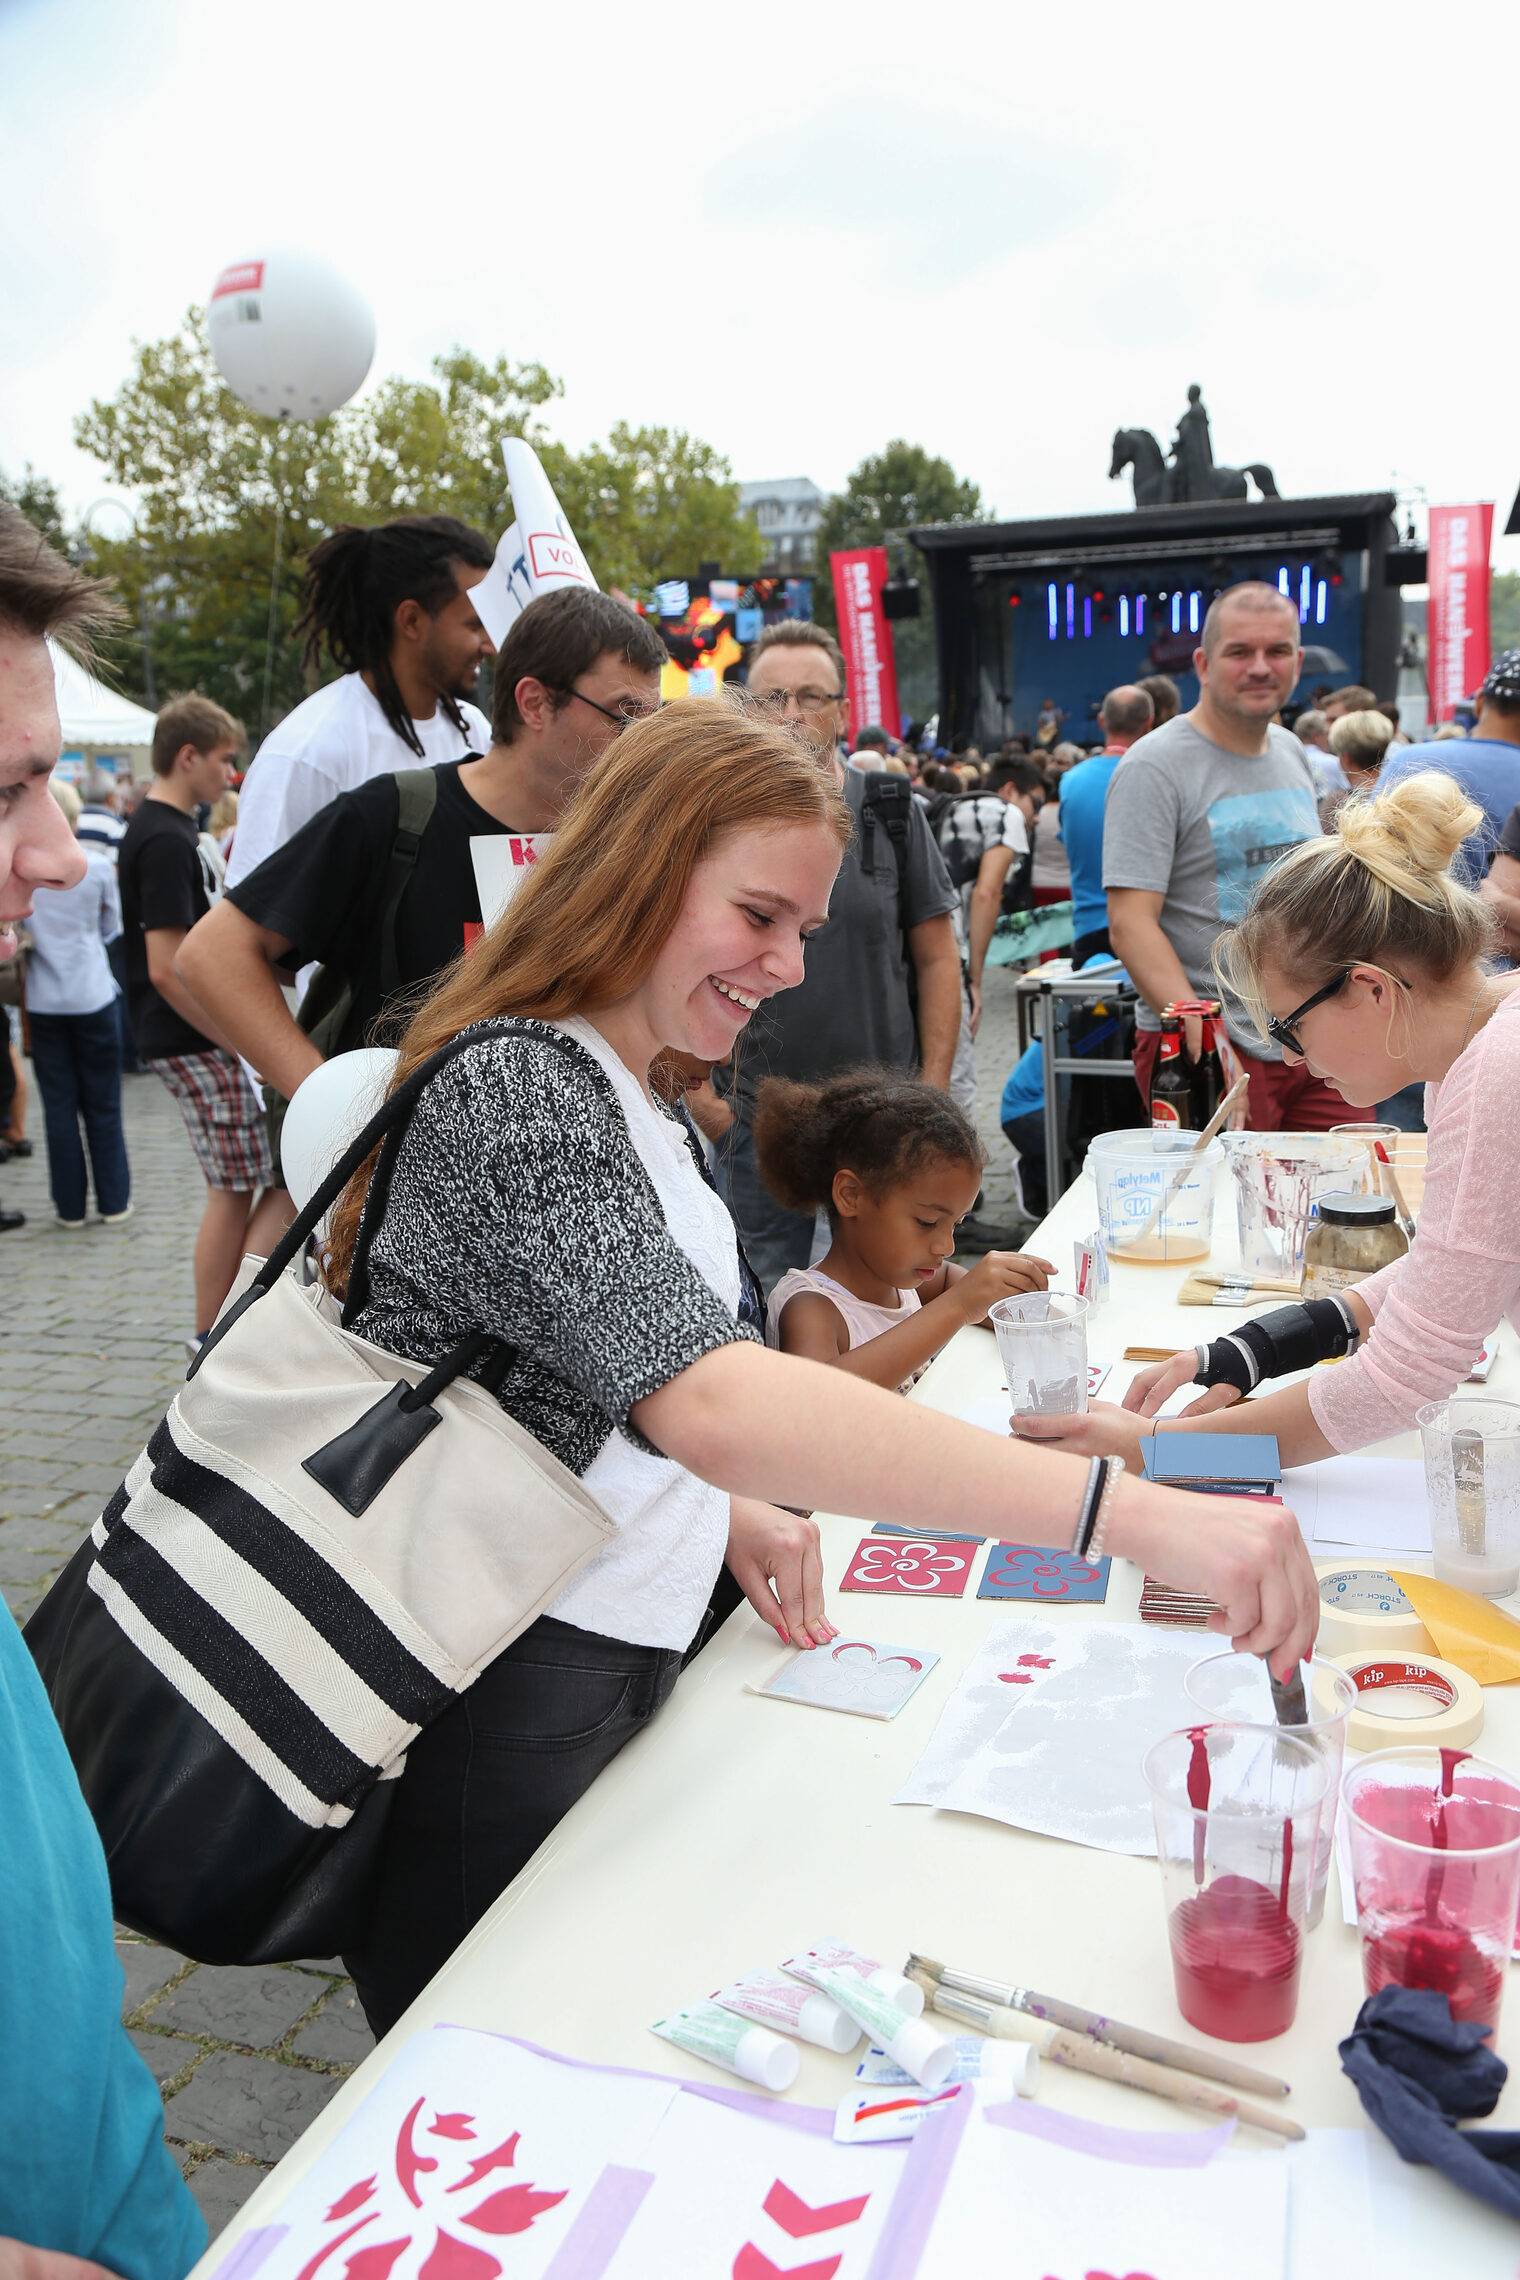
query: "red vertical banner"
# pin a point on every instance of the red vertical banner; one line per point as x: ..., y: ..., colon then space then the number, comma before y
x: 1458, y: 623
x: 866, y: 639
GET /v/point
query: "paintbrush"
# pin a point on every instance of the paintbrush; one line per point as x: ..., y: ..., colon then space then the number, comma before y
x: 1084, y: 2056
x: 1288, y: 1700
x: 1138, y: 2041
x: 1406, y: 1217
x: 1220, y: 1117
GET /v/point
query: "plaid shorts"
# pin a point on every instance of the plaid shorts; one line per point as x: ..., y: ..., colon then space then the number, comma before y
x: 223, y: 1118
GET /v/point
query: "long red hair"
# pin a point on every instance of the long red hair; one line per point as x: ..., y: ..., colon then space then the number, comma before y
x: 587, y: 924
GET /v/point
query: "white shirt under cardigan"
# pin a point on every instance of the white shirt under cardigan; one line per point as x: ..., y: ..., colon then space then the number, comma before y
x: 67, y: 970
x: 652, y: 1582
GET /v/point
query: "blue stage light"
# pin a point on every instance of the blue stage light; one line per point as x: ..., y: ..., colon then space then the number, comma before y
x: 1123, y: 616
x: 1051, y: 593
x: 1319, y: 603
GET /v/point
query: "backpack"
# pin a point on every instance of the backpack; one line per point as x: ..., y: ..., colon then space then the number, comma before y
x: 329, y: 1000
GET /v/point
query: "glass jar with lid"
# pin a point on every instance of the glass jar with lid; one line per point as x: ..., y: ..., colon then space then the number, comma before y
x: 1351, y: 1237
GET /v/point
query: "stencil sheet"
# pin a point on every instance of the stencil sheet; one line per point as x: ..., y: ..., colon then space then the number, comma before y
x: 1049, y: 1727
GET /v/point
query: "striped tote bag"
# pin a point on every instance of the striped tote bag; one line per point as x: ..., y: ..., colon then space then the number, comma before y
x: 321, y: 1547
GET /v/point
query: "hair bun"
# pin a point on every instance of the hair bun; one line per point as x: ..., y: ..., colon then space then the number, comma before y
x: 1412, y: 831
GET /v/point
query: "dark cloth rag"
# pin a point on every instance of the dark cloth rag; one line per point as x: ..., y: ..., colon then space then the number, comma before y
x: 1418, y: 2073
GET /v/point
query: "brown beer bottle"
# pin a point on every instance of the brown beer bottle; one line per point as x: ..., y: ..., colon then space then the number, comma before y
x: 1172, y: 1083
x: 1208, y: 1076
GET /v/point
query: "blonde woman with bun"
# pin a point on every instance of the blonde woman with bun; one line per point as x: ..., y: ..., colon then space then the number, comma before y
x: 1362, y: 955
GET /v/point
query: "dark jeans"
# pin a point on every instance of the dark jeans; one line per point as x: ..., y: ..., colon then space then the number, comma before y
x: 773, y: 1239
x: 484, y: 1785
x: 116, y: 952
x: 1026, y: 1136
x: 77, y: 1058
x: 1087, y: 946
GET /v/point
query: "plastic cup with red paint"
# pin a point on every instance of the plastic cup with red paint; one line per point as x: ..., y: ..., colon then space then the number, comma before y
x: 1237, y: 1827
x: 1237, y: 1689
x: 1435, y: 1852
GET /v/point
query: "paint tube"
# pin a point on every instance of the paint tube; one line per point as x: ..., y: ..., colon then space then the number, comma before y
x: 772, y: 2000
x: 871, y: 2117
x: 710, y: 2032
x: 1013, y: 2065
x: 912, y: 2042
x: 836, y: 1955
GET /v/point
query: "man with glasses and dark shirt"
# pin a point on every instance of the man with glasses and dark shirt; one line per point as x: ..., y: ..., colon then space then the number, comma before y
x: 382, y: 908
x: 888, y: 936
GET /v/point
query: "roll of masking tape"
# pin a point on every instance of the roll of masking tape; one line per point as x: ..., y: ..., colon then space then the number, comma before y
x: 1363, y: 1610
x: 1411, y: 1701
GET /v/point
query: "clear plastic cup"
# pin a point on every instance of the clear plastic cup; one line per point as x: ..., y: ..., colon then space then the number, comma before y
x: 1472, y: 1484
x: 1237, y: 1831
x: 1370, y: 1137
x: 1042, y: 1344
x: 1279, y: 1176
x: 1435, y: 1852
x: 1237, y: 1689
x: 1134, y: 1172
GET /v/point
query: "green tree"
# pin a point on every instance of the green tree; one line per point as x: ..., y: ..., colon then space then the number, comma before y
x: 39, y: 501
x: 653, y: 503
x: 213, y: 479
x: 889, y: 494
x: 1504, y: 610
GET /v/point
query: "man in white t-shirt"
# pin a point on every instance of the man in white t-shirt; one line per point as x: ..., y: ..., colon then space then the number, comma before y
x: 392, y: 606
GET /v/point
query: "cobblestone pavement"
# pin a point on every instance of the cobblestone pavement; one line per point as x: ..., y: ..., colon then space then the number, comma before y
x: 92, y: 1330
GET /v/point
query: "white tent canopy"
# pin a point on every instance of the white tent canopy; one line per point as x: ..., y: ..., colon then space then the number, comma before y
x: 95, y: 719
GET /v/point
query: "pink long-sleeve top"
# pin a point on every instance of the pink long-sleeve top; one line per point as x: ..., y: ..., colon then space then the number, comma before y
x: 1434, y: 1308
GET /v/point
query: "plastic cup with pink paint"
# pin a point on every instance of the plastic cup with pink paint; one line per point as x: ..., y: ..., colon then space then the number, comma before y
x: 1435, y: 1853
x: 1237, y: 1813
x: 1236, y: 1688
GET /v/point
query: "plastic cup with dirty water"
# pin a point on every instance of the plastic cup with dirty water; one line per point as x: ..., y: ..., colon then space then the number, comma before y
x: 1435, y: 1854
x: 1279, y: 1176
x: 1237, y: 1813
x: 1134, y: 1172
x: 1472, y: 1484
x: 1371, y: 1137
x: 1042, y: 1345
x: 1236, y: 1689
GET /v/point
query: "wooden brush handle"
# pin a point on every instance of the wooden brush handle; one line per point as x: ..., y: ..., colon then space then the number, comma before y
x: 1141, y: 2043
x: 1085, y: 2056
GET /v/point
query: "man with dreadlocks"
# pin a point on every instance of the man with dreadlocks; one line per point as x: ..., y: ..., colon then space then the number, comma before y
x: 392, y: 607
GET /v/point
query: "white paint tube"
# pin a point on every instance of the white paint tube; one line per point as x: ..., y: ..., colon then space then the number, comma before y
x: 912, y: 2042
x: 836, y: 1955
x: 772, y: 2000
x: 710, y: 2032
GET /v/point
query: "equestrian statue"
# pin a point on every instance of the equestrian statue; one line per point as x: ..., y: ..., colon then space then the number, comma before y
x: 1191, y: 473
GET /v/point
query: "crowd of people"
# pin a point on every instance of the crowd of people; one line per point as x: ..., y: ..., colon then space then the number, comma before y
x: 696, y: 1166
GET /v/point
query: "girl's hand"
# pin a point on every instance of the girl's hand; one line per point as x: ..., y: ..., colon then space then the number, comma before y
x: 1246, y: 1555
x: 776, y: 1559
x: 1152, y: 1387
x: 1001, y: 1274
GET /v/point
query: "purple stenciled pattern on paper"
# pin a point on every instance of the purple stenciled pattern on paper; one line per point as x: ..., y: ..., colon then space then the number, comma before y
x: 248, y: 2253
x: 1144, y: 2149
x: 920, y: 2189
x: 598, y: 2231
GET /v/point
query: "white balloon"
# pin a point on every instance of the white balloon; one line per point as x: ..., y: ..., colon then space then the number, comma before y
x: 291, y: 336
x: 328, y: 1111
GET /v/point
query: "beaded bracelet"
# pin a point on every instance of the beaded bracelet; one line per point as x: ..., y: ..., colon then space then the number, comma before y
x: 1087, y: 1509
x: 1092, y: 1550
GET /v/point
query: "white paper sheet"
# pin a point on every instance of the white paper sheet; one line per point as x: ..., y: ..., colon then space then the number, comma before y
x: 1023, y: 2205
x: 1049, y: 1727
x: 1377, y: 1504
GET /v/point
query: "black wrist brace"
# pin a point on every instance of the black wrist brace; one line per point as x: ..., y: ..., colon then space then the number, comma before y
x: 1289, y: 1338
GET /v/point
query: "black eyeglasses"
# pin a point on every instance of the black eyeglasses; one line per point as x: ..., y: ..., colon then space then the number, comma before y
x: 619, y: 720
x: 1283, y: 1029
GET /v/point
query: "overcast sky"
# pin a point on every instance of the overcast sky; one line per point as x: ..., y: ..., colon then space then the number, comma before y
x: 999, y: 231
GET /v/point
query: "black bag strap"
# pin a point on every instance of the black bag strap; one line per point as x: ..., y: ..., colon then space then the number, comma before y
x: 389, y: 1122
x: 417, y: 796
x: 888, y: 801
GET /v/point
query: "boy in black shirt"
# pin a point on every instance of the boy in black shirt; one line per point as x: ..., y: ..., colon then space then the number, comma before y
x: 575, y: 667
x: 166, y: 887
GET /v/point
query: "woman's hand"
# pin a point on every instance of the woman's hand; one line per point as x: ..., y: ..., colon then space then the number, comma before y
x: 1243, y: 1553
x: 1151, y: 1388
x: 1101, y: 1430
x: 775, y: 1557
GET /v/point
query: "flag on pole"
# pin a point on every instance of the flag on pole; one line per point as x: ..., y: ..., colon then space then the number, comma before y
x: 538, y: 553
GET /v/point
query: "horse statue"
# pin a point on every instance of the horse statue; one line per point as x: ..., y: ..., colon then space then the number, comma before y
x: 1158, y: 485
